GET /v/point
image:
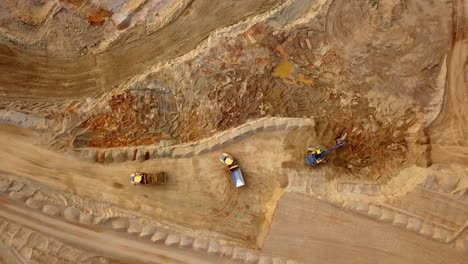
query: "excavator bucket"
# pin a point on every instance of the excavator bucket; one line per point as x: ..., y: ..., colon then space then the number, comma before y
x: 341, y: 137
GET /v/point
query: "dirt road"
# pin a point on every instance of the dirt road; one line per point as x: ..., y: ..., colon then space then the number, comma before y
x: 25, y: 75
x: 109, y: 244
x: 449, y: 132
x: 312, y: 231
x: 198, y: 195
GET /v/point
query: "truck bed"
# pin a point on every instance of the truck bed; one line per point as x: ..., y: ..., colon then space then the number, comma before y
x: 237, y: 178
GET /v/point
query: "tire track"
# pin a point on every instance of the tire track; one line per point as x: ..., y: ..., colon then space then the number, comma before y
x: 48, y: 77
x: 108, y: 243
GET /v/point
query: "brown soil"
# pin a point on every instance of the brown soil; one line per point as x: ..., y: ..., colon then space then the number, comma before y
x: 108, y: 74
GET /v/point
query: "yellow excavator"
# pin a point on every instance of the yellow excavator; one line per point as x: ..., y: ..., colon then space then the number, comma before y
x: 317, y: 155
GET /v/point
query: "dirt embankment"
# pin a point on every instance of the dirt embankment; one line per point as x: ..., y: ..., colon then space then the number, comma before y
x: 78, y: 77
x: 323, y: 68
x: 307, y: 230
x: 449, y: 132
x: 199, y: 194
x: 72, y: 28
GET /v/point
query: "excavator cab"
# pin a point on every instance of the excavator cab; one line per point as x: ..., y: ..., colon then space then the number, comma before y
x: 317, y: 152
x: 315, y: 156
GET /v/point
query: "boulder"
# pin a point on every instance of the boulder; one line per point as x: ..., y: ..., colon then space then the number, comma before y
x: 183, y: 152
x: 213, y: 144
x: 130, y: 154
x: 200, y: 244
x: 69, y: 253
x: 224, y: 140
x: 19, y: 196
x: 165, y: 152
x: 51, y: 210
x: 440, y: 234
x: 86, y: 219
x: 20, y: 238
x: 34, y: 204
x: 306, y: 122
x: 265, y: 260
x: 147, y: 231
x: 120, y: 224
x: 374, y: 211
x: 153, y: 152
x: 414, y: 224
x: 38, y: 241
x: 140, y: 155
x: 269, y: 125
x: 108, y: 157
x: 53, y: 247
x: 400, y: 220
x: 227, y: 251
x: 239, y: 254
x: 159, y: 236
x: 172, y: 240
x: 387, y: 215
x: 281, y: 123
x: 362, y: 207
x: 357, y: 188
x: 251, y: 257
x: 426, y: 229
x: 256, y: 126
x: 214, y: 247
x: 119, y: 155
x: 201, y: 148
x: 293, y: 123
x: 186, y: 241
x: 72, y: 214
x: 134, y: 227
x: 89, y: 155
x: 16, y: 186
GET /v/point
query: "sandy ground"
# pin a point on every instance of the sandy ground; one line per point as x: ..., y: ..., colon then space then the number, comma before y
x: 107, y: 243
x: 313, y: 231
x: 51, y: 77
x: 199, y: 193
x: 449, y: 132
x: 383, y: 45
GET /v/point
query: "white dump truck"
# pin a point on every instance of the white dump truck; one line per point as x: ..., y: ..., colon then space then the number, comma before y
x: 234, y: 169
